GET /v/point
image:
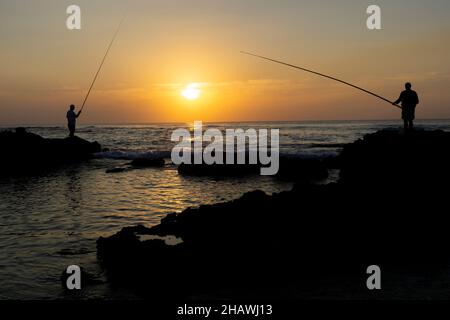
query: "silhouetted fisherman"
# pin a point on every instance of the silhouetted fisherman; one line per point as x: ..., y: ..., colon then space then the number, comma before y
x: 72, y: 120
x: 409, y: 100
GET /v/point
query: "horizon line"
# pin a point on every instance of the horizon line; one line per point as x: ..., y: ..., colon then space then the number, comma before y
x: 9, y: 126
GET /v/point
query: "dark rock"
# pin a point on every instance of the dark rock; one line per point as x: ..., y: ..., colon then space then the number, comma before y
x: 290, y: 169
x: 298, y: 169
x: 148, y: 162
x: 332, y: 162
x: 24, y: 152
x: 289, y: 241
x: 21, y: 131
x: 392, y: 158
x: 218, y: 170
x: 115, y: 170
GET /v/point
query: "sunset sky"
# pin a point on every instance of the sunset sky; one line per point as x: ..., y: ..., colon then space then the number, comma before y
x: 166, y: 45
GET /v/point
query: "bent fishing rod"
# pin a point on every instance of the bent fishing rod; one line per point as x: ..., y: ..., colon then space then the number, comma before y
x: 101, y: 64
x: 322, y: 75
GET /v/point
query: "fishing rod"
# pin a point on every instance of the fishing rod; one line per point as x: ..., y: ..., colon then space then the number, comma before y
x: 322, y: 75
x: 101, y: 64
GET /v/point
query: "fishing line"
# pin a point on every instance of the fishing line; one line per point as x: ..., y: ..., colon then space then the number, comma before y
x: 101, y: 64
x: 322, y: 75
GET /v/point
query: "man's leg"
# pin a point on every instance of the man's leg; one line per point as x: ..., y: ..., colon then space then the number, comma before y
x: 405, y: 125
x: 411, y: 125
x: 71, y: 130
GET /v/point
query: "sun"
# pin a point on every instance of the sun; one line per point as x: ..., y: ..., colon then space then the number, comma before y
x: 191, y: 91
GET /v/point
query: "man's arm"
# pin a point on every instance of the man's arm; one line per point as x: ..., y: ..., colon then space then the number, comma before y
x: 78, y: 114
x: 398, y: 100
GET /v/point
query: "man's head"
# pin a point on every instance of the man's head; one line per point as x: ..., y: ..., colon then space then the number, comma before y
x: 408, y: 86
x: 72, y: 107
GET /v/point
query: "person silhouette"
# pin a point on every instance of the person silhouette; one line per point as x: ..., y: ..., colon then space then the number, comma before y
x: 409, y: 100
x: 72, y: 120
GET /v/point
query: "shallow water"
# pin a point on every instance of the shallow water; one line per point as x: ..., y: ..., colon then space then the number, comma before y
x: 52, y: 220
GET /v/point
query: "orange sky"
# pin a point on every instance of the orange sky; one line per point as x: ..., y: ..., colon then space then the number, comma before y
x: 165, y: 45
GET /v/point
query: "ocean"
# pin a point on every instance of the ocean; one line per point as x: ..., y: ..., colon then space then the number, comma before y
x: 52, y: 220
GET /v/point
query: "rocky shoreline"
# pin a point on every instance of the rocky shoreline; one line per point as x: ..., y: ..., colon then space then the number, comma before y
x: 28, y: 153
x: 388, y: 208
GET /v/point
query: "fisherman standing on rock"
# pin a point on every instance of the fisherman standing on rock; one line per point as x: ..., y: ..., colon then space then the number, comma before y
x: 72, y: 120
x: 409, y: 100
